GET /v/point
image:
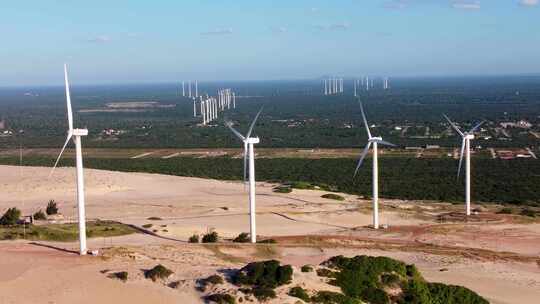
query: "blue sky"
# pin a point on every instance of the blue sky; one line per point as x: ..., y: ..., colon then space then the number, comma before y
x: 124, y: 41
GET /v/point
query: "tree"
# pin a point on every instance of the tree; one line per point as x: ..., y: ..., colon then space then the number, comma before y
x: 11, y: 217
x: 52, y: 208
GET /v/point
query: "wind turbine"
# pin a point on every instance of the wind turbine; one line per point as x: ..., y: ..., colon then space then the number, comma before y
x: 249, y: 156
x: 375, y: 141
x: 465, y: 147
x: 76, y: 134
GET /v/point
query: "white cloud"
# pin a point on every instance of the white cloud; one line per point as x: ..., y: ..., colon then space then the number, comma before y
x: 217, y: 32
x: 334, y: 27
x: 466, y: 5
x: 529, y: 2
x: 100, y: 39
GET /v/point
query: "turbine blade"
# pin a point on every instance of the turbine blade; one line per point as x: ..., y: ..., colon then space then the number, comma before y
x: 60, y: 155
x: 229, y: 125
x: 364, y: 118
x: 253, y: 123
x: 461, y: 157
x: 453, y: 125
x: 385, y: 143
x: 68, y: 99
x: 362, y: 156
x: 477, y: 126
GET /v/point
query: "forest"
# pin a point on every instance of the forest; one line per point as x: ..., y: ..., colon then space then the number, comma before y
x: 509, y: 182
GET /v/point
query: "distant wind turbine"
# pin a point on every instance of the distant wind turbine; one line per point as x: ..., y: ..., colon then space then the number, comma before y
x: 375, y: 141
x: 465, y: 147
x: 249, y: 155
x: 76, y: 134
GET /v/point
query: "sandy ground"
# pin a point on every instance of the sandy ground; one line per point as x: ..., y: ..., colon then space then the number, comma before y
x: 495, y: 255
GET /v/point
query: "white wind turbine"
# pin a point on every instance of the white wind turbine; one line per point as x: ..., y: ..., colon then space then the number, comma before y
x: 375, y: 141
x: 76, y: 134
x: 465, y: 147
x: 248, y: 150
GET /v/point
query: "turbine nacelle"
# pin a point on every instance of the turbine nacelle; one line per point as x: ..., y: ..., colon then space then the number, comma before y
x: 80, y: 132
x: 375, y: 139
x: 252, y: 140
x: 468, y: 136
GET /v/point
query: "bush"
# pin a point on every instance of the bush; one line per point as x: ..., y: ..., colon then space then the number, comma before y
x: 307, y: 268
x: 375, y: 296
x: 211, y: 280
x: 122, y: 276
x: 194, y: 238
x: 333, y: 197
x: 268, y: 274
x: 267, y: 241
x: 417, y: 292
x: 299, y: 292
x: 450, y: 294
x: 242, y: 238
x: 390, y: 279
x: 302, y: 185
x: 211, y: 237
x: 158, y: 272
x: 528, y: 212
x: 282, y: 189
x: 505, y: 211
x: 40, y: 216
x: 11, y: 217
x: 221, y: 298
x: 147, y: 226
x: 264, y: 293
x: 52, y: 208
x: 329, y: 297
x: 154, y: 218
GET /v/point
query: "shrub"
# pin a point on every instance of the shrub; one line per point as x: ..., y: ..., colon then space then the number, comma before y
x: 194, y: 238
x: 11, y: 217
x: 52, y: 208
x: 242, y: 238
x: 327, y: 273
x: 154, y: 218
x: 158, y: 272
x: 221, y: 298
x: 299, y: 292
x: 302, y: 185
x: 264, y: 293
x: 307, y: 268
x: 333, y: 197
x: 211, y: 237
x: 40, y: 216
x: 264, y: 274
x: 330, y: 297
x: 214, y: 279
x: 450, y: 294
x: 416, y: 292
x: 282, y: 189
x: 375, y: 296
x: 390, y: 279
x: 528, y: 212
x: 267, y: 241
x: 122, y: 276
x: 505, y: 210
x: 147, y: 226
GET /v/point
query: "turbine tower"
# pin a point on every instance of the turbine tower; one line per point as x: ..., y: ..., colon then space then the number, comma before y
x: 76, y: 134
x: 375, y: 141
x: 465, y: 147
x: 249, y: 156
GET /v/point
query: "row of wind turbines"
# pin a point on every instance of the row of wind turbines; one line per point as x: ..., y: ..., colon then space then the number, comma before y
x: 249, y: 142
x: 210, y: 107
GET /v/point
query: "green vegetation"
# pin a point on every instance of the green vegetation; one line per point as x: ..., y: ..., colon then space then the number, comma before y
x: 267, y: 241
x: 211, y: 280
x: 154, y: 218
x: 282, y: 189
x: 146, y: 226
x: 528, y: 212
x: 307, y: 268
x: 333, y: 197
x: 299, y: 292
x: 329, y: 297
x: 242, y: 238
x: 366, y: 278
x: 210, y: 237
x: 158, y: 272
x: 122, y: 276
x: 40, y: 216
x: 10, y: 217
x: 52, y: 208
x: 221, y: 298
x: 263, y: 277
x: 513, y: 182
x: 64, y: 232
x: 194, y: 238
x: 505, y: 210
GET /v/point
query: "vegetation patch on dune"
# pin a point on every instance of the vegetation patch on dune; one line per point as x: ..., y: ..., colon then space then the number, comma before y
x: 158, y: 272
x: 64, y: 232
x: 333, y: 197
x: 263, y: 277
